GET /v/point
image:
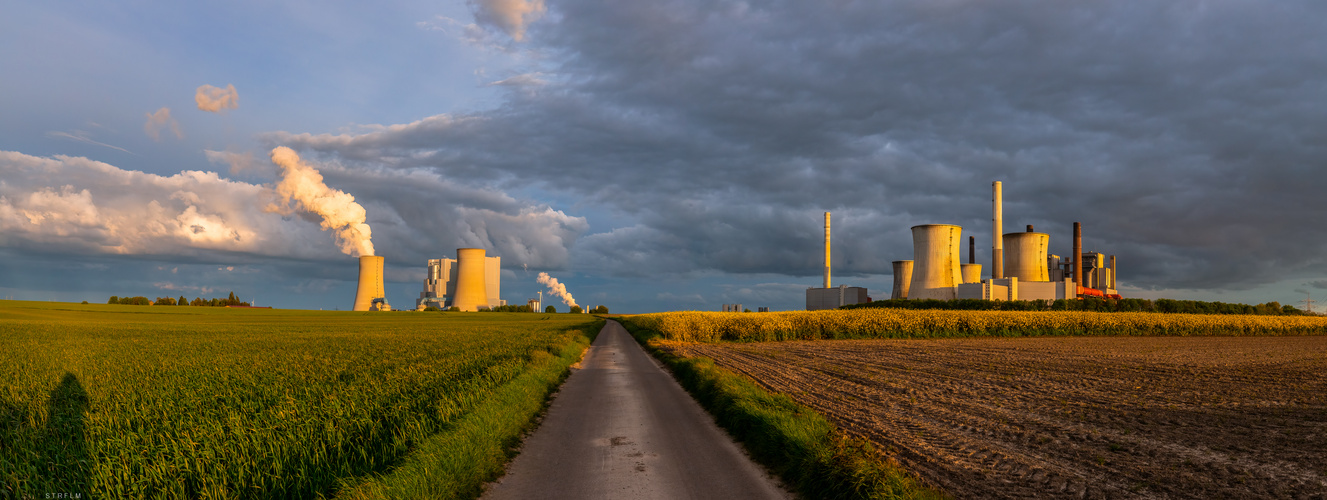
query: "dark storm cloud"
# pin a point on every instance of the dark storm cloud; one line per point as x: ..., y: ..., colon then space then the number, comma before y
x: 1187, y: 136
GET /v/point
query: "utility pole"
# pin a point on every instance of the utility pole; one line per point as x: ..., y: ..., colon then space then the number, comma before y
x: 1308, y: 302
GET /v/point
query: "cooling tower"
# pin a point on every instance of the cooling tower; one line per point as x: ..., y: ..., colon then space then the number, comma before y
x: 971, y: 273
x: 370, y: 282
x: 1025, y: 256
x: 935, y: 252
x: 471, y: 289
x: 902, y: 279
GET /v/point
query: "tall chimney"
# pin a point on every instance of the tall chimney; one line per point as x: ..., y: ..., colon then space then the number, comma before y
x: 1112, y: 272
x: 997, y: 244
x: 1078, y: 254
x: 370, y: 282
x: 972, y: 249
x: 827, y: 281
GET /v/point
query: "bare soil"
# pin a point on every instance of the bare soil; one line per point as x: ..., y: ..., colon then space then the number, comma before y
x: 1069, y: 417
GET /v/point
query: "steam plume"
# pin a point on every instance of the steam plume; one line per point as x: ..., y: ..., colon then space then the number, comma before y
x: 556, y: 288
x: 217, y: 99
x: 302, y: 183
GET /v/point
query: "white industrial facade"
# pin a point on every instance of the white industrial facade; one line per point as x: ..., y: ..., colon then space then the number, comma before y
x: 833, y: 298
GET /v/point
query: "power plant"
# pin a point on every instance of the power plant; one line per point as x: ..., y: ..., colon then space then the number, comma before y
x: 470, y: 282
x: 369, y: 295
x: 829, y: 297
x: 1021, y: 266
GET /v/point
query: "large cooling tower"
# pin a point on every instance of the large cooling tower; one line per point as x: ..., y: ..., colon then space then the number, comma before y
x: 935, y: 252
x: 902, y: 279
x: 471, y: 289
x: 370, y: 282
x: 1025, y: 256
x: 971, y: 273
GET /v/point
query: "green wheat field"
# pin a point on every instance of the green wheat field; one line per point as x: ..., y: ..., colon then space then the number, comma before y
x: 119, y: 401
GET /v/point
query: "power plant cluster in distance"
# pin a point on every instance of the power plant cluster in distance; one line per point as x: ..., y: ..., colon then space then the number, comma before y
x: 470, y: 282
x: 1022, y: 268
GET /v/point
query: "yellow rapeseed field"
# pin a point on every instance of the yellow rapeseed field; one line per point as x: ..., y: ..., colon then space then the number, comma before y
x: 908, y: 323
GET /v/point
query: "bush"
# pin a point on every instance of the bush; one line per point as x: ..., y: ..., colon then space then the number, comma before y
x: 550, y: 309
x: 575, y: 310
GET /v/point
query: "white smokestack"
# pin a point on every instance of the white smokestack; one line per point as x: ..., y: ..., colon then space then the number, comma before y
x: 997, y: 240
x: 302, y: 184
x: 827, y: 280
x: 557, y: 289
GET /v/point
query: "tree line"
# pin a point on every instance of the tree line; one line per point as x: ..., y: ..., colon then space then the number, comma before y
x: 525, y: 308
x: 231, y: 300
x: 1090, y: 304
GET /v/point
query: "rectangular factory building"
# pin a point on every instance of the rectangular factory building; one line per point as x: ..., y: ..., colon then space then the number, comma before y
x: 440, y: 283
x: 832, y: 298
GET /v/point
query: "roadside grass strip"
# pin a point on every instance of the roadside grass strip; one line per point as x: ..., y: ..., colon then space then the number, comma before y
x: 457, y: 462
x: 807, y: 451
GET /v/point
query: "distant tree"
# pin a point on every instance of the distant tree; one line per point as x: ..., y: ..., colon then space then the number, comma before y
x: 163, y: 301
x: 746, y: 310
x: 575, y: 310
x: 454, y: 309
x: 182, y: 301
x: 135, y: 301
x: 550, y: 309
x: 114, y: 300
x: 599, y: 310
x: 431, y: 308
x: 85, y: 302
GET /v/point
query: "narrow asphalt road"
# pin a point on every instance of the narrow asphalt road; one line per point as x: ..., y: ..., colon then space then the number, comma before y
x: 622, y: 428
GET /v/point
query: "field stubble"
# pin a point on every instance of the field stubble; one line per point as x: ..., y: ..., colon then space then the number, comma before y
x: 1069, y: 416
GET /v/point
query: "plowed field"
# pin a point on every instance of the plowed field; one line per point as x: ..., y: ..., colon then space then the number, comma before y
x: 1071, y: 417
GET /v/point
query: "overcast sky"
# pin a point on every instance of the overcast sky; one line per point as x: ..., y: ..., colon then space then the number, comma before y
x: 670, y: 154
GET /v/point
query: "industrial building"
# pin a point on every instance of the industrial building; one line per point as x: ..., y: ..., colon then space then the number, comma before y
x: 1021, y: 266
x: 734, y: 308
x: 369, y: 294
x: 470, y: 282
x: 829, y: 297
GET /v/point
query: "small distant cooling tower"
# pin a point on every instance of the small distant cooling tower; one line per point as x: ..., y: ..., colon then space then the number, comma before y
x: 471, y: 289
x: 902, y: 279
x: 370, y: 282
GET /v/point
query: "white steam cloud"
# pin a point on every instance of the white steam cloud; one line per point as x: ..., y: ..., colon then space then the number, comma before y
x: 558, y: 289
x: 159, y: 120
x: 217, y: 99
x: 302, y: 184
x: 511, y: 16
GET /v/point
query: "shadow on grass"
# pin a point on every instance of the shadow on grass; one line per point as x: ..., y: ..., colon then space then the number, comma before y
x: 68, y: 464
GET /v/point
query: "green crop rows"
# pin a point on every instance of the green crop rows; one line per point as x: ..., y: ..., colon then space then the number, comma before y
x: 132, y: 401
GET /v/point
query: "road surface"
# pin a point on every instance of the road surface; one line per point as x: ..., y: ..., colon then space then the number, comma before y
x: 621, y: 427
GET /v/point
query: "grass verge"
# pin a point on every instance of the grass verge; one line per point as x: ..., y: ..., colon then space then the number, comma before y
x: 807, y: 451
x: 457, y: 462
